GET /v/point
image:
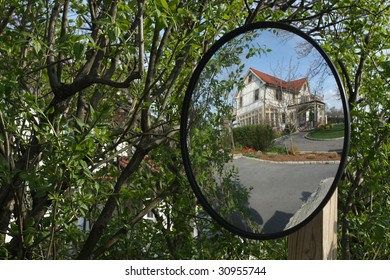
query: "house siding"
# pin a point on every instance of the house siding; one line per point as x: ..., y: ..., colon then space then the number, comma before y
x: 278, y: 105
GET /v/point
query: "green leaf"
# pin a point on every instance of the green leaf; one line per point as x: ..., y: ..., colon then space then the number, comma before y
x: 111, y: 35
x: 36, y: 45
x: 80, y: 122
x: 164, y: 4
x: 91, y: 41
x: 226, y: 17
x: 78, y: 49
x: 386, y: 68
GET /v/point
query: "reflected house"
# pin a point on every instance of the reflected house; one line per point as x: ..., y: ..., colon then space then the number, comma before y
x: 265, y: 99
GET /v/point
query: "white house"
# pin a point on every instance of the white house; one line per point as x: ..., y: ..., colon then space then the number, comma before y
x: 265, y: 99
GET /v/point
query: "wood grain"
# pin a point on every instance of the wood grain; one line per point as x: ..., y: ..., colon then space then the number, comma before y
x: 318, y: 239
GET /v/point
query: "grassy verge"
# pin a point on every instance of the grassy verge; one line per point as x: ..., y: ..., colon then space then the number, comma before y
x: 328, y: 132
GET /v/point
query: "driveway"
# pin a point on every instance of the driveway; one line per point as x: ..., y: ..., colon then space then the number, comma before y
x: 306, y: 145
x: 278, y: 190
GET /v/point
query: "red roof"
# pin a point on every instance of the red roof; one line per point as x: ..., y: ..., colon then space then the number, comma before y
x: 295, y: 85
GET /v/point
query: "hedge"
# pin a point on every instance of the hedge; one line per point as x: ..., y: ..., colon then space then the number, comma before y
x: 256, y: 136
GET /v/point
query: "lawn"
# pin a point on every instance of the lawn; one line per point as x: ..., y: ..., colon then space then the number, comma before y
x: 328, y: 132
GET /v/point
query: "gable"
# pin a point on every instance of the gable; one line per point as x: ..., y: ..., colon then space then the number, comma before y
x: 295, y: 85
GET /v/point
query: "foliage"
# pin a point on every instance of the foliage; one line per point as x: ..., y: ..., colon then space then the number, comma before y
x: 88, y: 91
x: 258, y: 136
x: 90, y: 98
x: 360, y: 57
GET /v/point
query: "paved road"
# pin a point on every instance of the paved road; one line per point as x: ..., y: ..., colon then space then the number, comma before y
x: 279, y: 190
x: 298, y: 140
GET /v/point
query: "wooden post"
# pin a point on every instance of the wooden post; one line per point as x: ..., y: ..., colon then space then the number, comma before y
x: 318, y: 239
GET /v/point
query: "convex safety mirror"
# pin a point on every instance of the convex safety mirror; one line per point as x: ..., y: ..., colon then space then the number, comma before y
x: 264, y: 130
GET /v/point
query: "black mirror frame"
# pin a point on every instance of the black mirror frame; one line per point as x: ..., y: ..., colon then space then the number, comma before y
x: 184, y: 122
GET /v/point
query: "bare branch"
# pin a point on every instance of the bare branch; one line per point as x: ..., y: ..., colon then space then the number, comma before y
x: 252, y: 16
x: 155, y: 56
x: 359, y: 71
x: 92, y: 10
x: 141, y: 47
x: 126, y: 83
x: 91, y: 52
x: 103, y: 40
x: 113, y: 66
x: 52, y: 72
x: 64, y: 24
x: 65, y: 91
x: 345, y: 73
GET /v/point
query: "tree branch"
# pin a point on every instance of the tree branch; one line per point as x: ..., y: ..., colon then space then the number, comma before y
x: 125, y: 84
x: 91, y: 52
x: 6, y: 151
x: 65, y: 91
x: 141, y: 46
x: 345, y: 73
x: 106, y: 214
x: 252, y: 15
x: 359, y: 71
x: 122, y: 231
x: 155, y: 56
x: 64, y: 25
x: 7, y: 18
x: 52, y: 72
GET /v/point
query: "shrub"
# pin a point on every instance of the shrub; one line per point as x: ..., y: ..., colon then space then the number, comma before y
x: 329, y: 126
x: 258, y: 137
x: 325, y: 126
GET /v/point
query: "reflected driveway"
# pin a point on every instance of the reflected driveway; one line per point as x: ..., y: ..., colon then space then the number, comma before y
x: 279, y: 190
x: 306, y: 145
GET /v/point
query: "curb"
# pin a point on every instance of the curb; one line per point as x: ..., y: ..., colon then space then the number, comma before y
x: 238, y: 156
x: 314, y: 139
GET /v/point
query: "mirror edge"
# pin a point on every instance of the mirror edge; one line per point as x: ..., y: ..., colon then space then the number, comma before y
x: 184, y: 118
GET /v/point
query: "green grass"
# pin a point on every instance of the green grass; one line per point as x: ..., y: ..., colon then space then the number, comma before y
x: 328, y: 132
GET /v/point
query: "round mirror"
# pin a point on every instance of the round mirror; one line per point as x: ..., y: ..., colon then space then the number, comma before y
x: 264, y: 130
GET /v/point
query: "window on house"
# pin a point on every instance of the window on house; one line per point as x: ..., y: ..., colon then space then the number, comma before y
x: 249, y: 78
x: 278, y: 94
x: 268, y: 118
x: 240, y: 102
x: 283, y: 118
x: 256, y: 96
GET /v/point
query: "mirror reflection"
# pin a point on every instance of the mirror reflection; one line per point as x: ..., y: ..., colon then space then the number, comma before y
x: 265, y: 130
